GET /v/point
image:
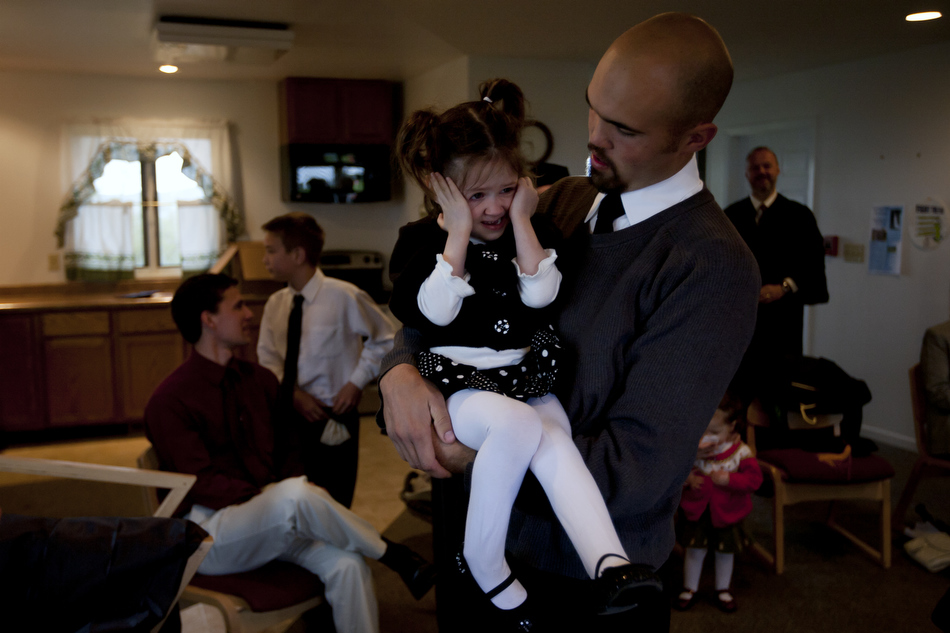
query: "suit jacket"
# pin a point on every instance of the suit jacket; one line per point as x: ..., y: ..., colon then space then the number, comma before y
x: 786, y: 243
x: 935, y: 362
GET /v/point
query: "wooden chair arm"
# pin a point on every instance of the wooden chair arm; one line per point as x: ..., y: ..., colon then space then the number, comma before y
x: 772, y: 471
x: 178, y: 484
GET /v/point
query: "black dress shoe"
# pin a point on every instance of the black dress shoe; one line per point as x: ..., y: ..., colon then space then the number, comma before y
x: 416, y: 572
x: 625, y: 587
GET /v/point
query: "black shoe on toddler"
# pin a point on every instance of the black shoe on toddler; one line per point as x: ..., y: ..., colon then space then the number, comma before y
x: 521, y: 619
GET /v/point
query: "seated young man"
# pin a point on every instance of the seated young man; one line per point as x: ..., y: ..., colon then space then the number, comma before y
x: 212, y: 417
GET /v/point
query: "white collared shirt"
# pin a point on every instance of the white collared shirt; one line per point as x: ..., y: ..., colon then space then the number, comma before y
x: 336, y: 317
x: 645, y: 203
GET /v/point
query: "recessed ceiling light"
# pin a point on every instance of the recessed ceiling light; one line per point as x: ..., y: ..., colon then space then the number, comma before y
x: 168, y: 68
x: 923, y: 17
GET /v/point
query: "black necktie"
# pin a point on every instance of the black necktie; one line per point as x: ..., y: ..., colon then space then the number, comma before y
x: 610, y: 209
x: 293, y: 348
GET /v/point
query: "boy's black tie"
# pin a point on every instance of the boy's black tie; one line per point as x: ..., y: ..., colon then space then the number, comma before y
x: 293, y: 349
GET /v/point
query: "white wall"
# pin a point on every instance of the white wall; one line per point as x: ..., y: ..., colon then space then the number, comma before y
x: 882, y: 131
x: 438, y: 89
x: 555, y: 91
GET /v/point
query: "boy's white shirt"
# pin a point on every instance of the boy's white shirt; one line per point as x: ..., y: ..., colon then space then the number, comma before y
x: 336, y: 317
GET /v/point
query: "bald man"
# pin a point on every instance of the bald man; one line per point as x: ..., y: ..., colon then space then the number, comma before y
x: 659, y: 299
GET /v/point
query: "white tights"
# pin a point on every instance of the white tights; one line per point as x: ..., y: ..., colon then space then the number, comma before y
x: 693, y: 568
x: 510, y: 437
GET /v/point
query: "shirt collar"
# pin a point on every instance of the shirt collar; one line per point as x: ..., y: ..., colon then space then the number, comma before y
x: 768, y: 202
x: 211, y: 370
x: 312, y: 287
x: 644, y: 203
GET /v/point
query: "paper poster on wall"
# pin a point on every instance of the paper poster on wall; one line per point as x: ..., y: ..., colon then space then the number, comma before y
x: 884, y: 249
x: 929, y: 228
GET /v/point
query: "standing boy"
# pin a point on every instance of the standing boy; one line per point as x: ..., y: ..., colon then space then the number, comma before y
x: 312, y: 337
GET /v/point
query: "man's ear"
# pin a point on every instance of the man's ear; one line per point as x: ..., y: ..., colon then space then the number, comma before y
x: 207, y: 319
x: 299, y: 255
x: 699, y: 137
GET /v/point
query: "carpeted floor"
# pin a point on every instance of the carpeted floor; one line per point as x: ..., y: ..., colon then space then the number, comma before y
x: 829, y: 585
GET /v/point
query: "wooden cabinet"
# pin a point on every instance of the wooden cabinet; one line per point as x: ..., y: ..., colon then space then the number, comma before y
x: 340, y: 111
x: 66, y: 367
x: 79, y: 380
x: 77, y: 354
x: 149, y: 348
x: 20, y: 396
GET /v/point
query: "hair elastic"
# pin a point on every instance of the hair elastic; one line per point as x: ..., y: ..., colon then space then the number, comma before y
x: 487, y: 99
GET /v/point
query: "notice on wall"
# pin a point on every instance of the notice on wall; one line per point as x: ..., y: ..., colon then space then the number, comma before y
x: 929, y: 228
x: 884, y: 248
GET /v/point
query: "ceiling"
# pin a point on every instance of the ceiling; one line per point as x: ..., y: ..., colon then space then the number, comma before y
x: 398, y: 39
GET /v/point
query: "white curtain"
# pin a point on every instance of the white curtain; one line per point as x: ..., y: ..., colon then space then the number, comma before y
x: 200, y: 241
x: 100, y: 239
x: 102, y: 244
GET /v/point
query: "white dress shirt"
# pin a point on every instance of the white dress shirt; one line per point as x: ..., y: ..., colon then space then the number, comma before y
x: 644, y: 203
x: 337, y: 316
x: 761, y: 205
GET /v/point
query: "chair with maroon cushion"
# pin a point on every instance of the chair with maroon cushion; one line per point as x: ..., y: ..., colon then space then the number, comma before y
x: 254, y: 600
x: 926, y: 463
x: 799, y: 476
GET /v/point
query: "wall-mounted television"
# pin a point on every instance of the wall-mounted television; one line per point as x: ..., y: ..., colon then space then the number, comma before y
x: 337, y: 174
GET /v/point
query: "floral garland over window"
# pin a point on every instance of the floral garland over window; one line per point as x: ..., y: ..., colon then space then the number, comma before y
x: 83, y: 189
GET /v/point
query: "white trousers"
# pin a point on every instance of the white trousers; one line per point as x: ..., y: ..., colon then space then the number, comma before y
x: 293, y: 520
x: 510, y: 437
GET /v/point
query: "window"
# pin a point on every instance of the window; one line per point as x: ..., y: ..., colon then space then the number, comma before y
x: 145, y: 209
x: 154, y: 192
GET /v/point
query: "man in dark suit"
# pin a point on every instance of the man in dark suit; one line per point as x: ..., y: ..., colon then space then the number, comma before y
x: 787, y: 244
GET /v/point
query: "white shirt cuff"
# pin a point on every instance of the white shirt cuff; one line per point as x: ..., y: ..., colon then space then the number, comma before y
x: 440, y: 295
x: 540, y: 289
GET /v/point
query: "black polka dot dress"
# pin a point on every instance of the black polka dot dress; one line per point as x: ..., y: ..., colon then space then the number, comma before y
x: 493, y: 317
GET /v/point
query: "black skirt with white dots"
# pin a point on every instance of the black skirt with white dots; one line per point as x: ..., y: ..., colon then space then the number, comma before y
x: 531, y: 378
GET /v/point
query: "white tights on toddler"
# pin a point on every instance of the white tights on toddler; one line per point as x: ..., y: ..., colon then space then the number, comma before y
x: 510, y: 437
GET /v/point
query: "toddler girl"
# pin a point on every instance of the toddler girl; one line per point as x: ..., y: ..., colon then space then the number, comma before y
x: 716, y: 497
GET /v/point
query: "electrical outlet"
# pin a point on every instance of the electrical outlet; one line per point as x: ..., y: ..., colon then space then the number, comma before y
x: 53, y: 262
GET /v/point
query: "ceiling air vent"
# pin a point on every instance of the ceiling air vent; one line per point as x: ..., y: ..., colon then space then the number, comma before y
x: 194, y: 39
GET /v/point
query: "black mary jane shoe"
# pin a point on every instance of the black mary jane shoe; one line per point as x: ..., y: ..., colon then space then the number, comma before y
x: 625, y: 587
x: 521, y: 619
